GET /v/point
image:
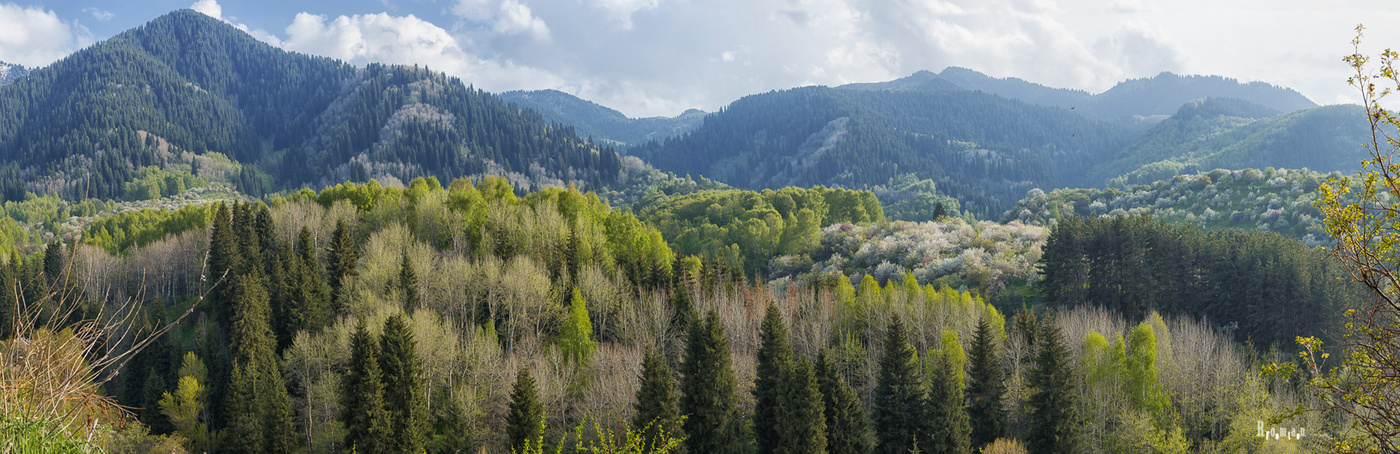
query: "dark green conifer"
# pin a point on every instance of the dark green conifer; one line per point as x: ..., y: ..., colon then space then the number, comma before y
x: 774, y: 357
x: 224, y: 260
x: 1054, y: 427
x: 945, y: 411
x: 342, y: 258
x: 311, y: 289
x: 899, y: 395
x: 408, y: 283
x: 9, y: 298
x: 985, y: 388
x: 708, y: 392
x: 525, y: 422
x: 259, y: 408
x: 801, y: 421
x: 657, y: 400
x: 367, y: 425
x: 403, y: 386
x: 451, y: 429
x: 939, y: 211
x: 846, y: 428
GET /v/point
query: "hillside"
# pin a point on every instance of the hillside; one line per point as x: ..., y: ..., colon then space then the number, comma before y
x: 984, y: 150
x: 1270, y: 200
x: 187, y: 88
x: 1235, y: 134
x: 601, y: 123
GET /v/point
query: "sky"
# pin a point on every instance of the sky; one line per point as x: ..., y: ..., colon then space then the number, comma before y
x: 661, y: 57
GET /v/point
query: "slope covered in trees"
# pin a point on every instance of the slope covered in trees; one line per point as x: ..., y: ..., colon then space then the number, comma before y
x: 601, y: 123
x: 186, y: 86
x: 981, y: 149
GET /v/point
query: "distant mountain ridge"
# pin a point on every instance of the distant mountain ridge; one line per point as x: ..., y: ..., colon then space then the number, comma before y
x: 590, y: 119
x: 186, y: 88
x: 1132, y: 100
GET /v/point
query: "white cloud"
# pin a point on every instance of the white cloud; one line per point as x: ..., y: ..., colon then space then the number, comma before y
x: 99, y: 14
x: 35, y: 37
x: 504, y: 17
x: 407, y: 40
x: 1141, y: 50
x: 210, y: 8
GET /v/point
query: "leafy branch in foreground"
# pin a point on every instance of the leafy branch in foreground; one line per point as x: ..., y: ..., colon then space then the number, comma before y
x: 1366, y: 386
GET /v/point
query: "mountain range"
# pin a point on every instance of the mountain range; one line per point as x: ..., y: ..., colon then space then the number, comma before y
x: 191, y: 95
x: 11, y: 72
x: 186, y: 92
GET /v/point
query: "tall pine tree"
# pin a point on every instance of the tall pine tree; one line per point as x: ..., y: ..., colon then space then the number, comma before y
x: 945, y: 412
x: 525, y: 422
x: 774, y: 357
x: 342, y: 258
x: 312, y: 290
x: 259, y: 408
x: 709, y: 398
x: 403, y: 385
x: 367, y: 425
x: 657, y: 401
x: 899, y: 395
x: 801, y: 414
x: 985, y: 388
x: 1054, y: 427
x: 408, y: 283
x: 846, y: 428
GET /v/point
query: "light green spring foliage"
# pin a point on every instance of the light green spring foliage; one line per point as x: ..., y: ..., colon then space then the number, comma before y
x: 951, y: 350
x: 576, y: 339
x: 1147, y: 393
x: 27, y: 435
x: 758, y: 225
x: 186, y: 406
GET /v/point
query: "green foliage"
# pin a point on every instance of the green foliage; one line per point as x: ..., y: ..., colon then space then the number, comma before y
x: 774, y: 358
x: 1278, y: 288
x: 403, y: 386
x: 713, y: 423
x: 1146, y: 392
x: 898, y: 404
x: 363, y: 406
x: 760, y: 225
x: 1214, y: 200
x: 801, y: 417
x: 155, y: 183
x: 657, y: 403
x: 342, y: 258
x: 1053, y: 409
x: 846, y: 428
x: 186, y: 407
x: 986, y: 385
x: 28, y: 435
x: 525, y: 421
x: 948, y: 427
x: 576, y: 339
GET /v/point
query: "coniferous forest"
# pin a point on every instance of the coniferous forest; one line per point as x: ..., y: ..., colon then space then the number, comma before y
x: 209, y: 244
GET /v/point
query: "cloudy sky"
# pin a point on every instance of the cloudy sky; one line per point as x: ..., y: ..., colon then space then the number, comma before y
x: 660, y: 57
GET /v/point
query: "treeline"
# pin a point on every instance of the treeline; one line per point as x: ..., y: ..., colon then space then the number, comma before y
x: 745, y: 229
x: 1269, y: 288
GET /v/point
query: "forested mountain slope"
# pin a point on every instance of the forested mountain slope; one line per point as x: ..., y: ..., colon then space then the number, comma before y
x: 186, y: 85
x: 982, y: 149
x: 1234, y: 134
x: 602, y: 123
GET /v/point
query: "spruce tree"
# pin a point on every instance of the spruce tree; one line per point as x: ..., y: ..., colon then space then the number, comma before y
x: 949, y: 431
x: 708, y: 392
x: 846, y: 427
x: 525, y: 422
x: 342, y: 258
x: 657, y: 401
x: 224, y: 261
x: 774, y: 357
x: 9, y: 298
x: 451, y: 428
x: 367, y: 426
x: 408, y: 283
x: 259, y: 408
x: 801, y: 422
x: 403, y: 387
x: 311, y: 290
x: 899, y: 395
x: 985, y: 388
x: 1053, y: 423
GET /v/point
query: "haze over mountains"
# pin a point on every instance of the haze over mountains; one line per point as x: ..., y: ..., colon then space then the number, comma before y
x: 188, y: 93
